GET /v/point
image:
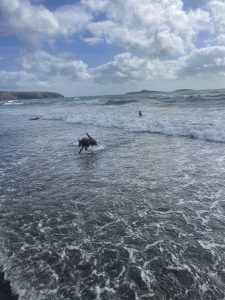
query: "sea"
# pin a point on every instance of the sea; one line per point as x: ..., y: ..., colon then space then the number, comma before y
x: 140, y: 216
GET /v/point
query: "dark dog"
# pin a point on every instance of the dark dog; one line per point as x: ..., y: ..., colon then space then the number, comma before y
x: 85, y: 143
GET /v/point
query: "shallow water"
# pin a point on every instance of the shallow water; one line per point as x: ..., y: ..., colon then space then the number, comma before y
x: 139, y: 217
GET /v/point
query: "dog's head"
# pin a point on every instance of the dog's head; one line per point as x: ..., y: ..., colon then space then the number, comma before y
x: 82, y: 142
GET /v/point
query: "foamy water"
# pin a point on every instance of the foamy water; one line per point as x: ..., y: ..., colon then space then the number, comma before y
x: 199, y: 115
x: 139, y: 217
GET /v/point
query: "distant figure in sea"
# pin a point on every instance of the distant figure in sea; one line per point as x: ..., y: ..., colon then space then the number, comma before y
x: 140, y: 113
x: 85, y: 143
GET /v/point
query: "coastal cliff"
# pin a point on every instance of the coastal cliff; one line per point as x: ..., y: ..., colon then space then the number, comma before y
x: 4, y: 95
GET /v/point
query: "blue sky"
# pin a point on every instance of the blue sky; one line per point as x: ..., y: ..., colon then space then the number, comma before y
x: 91, y: 47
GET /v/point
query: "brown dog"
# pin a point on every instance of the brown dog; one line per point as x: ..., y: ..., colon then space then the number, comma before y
x: 85, y: 143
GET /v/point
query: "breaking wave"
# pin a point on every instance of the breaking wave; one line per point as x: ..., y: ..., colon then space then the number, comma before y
x: 210, y: 131
x: 198, y: 115
x: 13, y: 102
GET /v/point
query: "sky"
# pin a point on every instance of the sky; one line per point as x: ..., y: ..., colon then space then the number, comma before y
x: 99, y: 47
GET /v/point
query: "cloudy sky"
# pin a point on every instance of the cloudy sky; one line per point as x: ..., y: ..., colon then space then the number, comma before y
x: 91, y: 47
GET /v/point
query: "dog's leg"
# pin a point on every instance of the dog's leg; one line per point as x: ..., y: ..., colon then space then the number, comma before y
x: 81, y: 150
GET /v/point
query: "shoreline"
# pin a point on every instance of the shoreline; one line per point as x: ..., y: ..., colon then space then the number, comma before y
x: 5, y: 289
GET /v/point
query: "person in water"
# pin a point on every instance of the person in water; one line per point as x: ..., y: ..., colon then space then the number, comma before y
x: 140, y: 113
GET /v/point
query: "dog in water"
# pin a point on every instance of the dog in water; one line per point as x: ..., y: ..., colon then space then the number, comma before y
x: 85, y: 143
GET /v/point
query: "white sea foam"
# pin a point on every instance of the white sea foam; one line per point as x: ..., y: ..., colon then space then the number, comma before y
x: 210, y: 245
x: 203, y: 287
x: 158, y: 121
x: 201, y: 123
x: 146, y: 277
x: 131, y: 252
x: 13, y: 102
x: 72, y: 236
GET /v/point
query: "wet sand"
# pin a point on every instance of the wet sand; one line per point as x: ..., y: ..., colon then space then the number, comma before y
x: 5, y: 289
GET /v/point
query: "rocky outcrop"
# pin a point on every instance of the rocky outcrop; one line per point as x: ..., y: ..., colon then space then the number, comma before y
x: 4, y: 95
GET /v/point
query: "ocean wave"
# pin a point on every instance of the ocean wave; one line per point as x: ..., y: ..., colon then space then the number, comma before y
x: 166, y: 113
x: 119, y: 101
x: 13, y: 102
x: 209, y: 131
x: 191, y: 124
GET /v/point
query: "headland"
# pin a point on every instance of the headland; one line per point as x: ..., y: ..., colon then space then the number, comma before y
x: 8, y: 95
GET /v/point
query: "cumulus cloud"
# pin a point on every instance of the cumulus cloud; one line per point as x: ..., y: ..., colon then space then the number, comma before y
x: 156, y: 28
x: 217, y: 12
x: 72, y: 19
x: 205, y: 62
x: 201, y: 63
x: 125, y: 67
x: 43, y: 71
x: 20, y: 79
x: 160, y: 33
x: 35, y: 23
x: 40, y: 70
x: 46, y: 65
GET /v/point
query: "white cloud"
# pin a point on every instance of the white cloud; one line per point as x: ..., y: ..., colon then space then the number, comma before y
x: 217, y: 10
x: 93, y: 40
x: 20, y: 79
x: 96, y: 6
x: 72, y: 19
x: 156, y: 28
x: 26, y: 21
x: 125, y: 67
x: 201, y: 63
x: 42, y: 70
x: 217, y: 13
x: 35, y: 23
x: 47, y: 66
x: 205, y: 62
x: 152, y: 29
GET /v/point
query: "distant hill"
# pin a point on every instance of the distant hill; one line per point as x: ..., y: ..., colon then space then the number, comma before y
x: 142, y: 92
x: 184, y: 90
x: 4, y: 95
